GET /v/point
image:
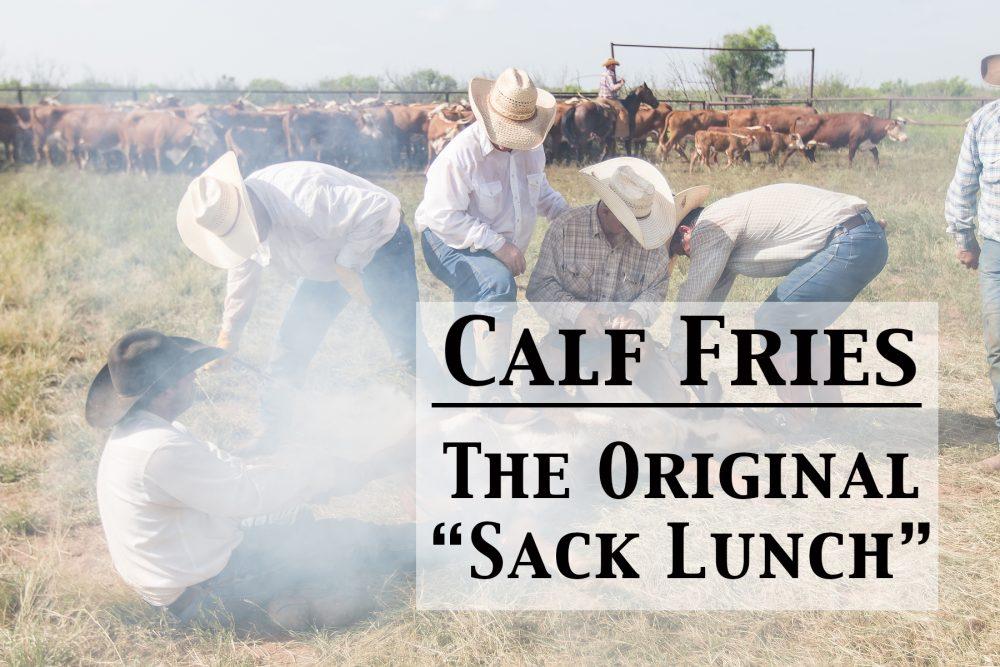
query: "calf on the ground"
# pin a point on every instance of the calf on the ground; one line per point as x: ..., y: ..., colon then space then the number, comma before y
x: 709, y: 143
x: 774, y: 144
x: 683, y: 124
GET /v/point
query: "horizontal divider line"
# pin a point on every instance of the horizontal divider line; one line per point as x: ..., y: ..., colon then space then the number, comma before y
x: 674, y: 405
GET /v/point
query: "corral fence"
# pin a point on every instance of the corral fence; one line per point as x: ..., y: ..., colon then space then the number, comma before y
x: 928, y: 110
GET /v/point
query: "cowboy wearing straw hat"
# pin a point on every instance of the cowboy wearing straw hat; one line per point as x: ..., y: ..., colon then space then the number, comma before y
x: 613, y: 251
x: 825, y: 245
x: 483, y: 195
x: 610, y: 84
x: 171, y: 506
x: 978, y: 172
x: 335, y: 232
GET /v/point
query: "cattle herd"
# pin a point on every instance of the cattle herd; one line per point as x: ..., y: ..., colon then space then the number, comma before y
x: 372, y: 134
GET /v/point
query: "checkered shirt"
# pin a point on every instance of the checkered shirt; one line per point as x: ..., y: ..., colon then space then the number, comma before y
x: 978, y: 171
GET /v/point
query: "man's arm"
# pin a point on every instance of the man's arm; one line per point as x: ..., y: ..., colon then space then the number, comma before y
x: 444, y: 209
x: 551, y: 204
x: 242, y: 285
x: 710, y: 251
x: 544, y: 286
x: 960, y: 204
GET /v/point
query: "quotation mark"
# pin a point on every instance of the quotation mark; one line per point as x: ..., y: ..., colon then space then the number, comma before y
x: 923, y: 531
x: 454, y: 537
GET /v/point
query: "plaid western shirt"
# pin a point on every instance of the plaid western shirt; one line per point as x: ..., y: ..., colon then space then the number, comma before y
x: 760, y: 233
x: 978, y: 171
x: 606, y: 86
x: 577, y: 265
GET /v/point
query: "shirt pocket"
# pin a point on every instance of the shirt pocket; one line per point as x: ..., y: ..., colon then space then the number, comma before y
x: 991, y: 168
x: 535, y: 187
x: 488, y: 197
x: 633, y: 282
x: 578, y: 276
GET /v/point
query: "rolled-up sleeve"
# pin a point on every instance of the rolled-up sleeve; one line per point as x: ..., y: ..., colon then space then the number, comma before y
x: 960, y: 205
x: 242, y: 285
x: 445, y: 209
x: 206, y: 479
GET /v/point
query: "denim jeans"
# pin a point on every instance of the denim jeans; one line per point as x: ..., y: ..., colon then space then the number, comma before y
x: 476, y: 277
x: 334, y: 568
x: 989, y: 289
x: 390, y: 280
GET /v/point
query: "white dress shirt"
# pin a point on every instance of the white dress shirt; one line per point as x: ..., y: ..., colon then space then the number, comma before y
x: 171, y: 505
x: 478, y: 197
x: 321, y: 216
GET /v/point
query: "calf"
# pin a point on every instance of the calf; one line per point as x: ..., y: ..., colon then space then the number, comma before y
x: 160, y: 134
x: 853, y: 130
x: 774, y: 144
x: 682, y: 124
x: 90, y: 134
x: 15, y: 128
x: 708, y: 144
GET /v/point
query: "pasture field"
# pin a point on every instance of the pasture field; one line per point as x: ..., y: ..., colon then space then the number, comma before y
x: 84, y: 257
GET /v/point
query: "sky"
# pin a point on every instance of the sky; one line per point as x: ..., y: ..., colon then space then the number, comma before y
x: 192, y: 42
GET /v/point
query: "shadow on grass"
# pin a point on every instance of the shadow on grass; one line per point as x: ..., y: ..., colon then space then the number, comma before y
x: 960, y: 429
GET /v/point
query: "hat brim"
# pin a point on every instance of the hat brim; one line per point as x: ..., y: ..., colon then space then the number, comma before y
x: 522, y: 135
x: 106, y: 407
x: 689, y: 199
x: 655, y: 229
x: 991, y: 69
x: 241, y: 242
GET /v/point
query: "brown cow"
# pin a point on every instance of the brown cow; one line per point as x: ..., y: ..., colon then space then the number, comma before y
x: 90, y: 133
x: 853, y: 130
x: 780, y: 119
x: 709, y: 143
x: 682, y: 124
x: 255, y: 147
x: 554, y: 144
x: 410, y: 122
x: 773, y: 144
x: 162, y: 133
x: 444, y: 125
x: 15, y: 127
x: 650, y: 123
x: 44, y: 118
x: 310, y: 132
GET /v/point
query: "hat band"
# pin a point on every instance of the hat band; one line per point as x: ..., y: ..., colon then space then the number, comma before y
x: 511, y: 109
x: 640, y: 212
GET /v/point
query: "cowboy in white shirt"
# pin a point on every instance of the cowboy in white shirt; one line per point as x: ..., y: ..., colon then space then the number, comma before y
x: 171, y: 506
x: 339, y: 234
x: 483, y: 196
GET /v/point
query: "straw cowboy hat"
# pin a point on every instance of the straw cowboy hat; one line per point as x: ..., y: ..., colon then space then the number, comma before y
x: 609, y: 62
x: 142, y: 362
x: 514, y: 113
x: 215, y: 218
x: 640, y: 197
x: 991, y: 69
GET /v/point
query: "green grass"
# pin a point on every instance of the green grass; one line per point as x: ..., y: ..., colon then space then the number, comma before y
x: 87, y: 256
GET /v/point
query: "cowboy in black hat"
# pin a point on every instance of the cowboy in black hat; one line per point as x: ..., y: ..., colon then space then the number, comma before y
x: 172, y: 505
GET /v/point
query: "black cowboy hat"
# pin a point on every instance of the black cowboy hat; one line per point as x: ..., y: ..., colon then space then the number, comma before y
x: 140, y: 363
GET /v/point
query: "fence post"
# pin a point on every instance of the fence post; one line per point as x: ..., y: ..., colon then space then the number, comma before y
x: 812, y: 74
x: 20, y: 95
x: 447, y: 96
x: 889, y: 112
x: 135, y: 95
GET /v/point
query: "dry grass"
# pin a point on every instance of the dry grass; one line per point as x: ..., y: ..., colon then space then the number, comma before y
x: 85, y: 257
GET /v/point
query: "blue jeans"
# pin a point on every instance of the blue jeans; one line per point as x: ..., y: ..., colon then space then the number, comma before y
x: 476, y: 277
x: 989, y: 290
x: 830, y: 278
x: 390, y: 280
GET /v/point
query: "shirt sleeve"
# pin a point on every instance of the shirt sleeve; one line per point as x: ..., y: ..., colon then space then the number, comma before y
x: 204, y: 478
x: 552, y: 301
x: 242, y: 285
x: 960, y: 204
x: 711, y: 247
x: 551, y: 204
x: 359, y: 217
x: 649, y: 303
x: 445, y: 209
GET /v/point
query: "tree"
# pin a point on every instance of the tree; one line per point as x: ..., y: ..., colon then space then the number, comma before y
x: 268, y: 85
x: 350, y: 82
x: 745, y: 72
x: 424, y: 79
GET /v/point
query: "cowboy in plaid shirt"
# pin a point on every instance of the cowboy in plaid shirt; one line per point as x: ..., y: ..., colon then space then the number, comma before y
x: 610, y: 84
x: 978, y: 172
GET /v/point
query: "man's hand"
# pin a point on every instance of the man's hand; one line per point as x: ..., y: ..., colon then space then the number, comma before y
x: 512, y: 258
x: 627, y: 320
x: 226, y: 342
x: 590, y: 320
x: 969, y: 258
x: 351, y: 282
